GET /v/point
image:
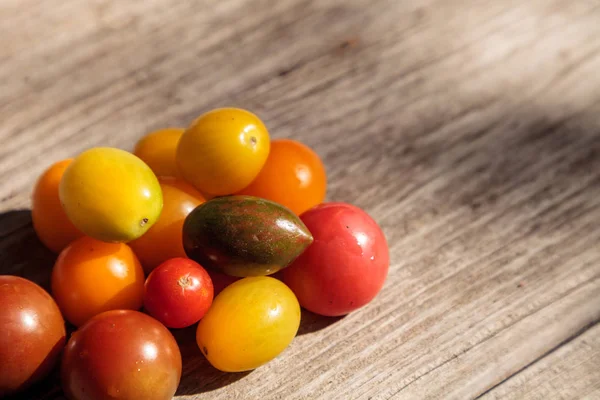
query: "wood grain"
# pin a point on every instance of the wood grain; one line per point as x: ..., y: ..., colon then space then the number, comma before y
x: 569, y: 372
x: 468, y: 129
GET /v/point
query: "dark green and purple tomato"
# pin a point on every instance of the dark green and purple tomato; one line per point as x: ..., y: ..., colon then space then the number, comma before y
x: 244, y: 236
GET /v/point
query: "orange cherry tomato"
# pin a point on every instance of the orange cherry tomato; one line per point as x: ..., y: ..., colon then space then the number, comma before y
x: 158, y: 149
x: 50, y: 221
x: 293, y: 176
x: 91, y: 276
x: 164, y: 239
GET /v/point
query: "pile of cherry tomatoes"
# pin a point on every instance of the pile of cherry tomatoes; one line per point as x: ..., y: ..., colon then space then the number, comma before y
x: 185, y: 230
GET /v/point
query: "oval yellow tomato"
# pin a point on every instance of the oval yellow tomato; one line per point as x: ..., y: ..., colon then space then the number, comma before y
x: 164, y: 240
x: 158, y: 149
x: 110, y: 195
x: 223, y: 151
x: 91, y: 276
x: 249, y: 323
x: 50, y: 222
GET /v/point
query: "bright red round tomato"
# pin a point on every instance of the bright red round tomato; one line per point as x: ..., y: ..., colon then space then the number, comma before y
x: 178, y: 293
x: 121, y: 354
x: 346, y: 265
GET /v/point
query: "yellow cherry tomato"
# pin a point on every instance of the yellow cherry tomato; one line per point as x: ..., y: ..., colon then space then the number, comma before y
x: 157, y: 149
x: 165, y: 240
x: 49, y: 219
x: 223, y: 151
x: 110, y: 195
x: 249, y: 323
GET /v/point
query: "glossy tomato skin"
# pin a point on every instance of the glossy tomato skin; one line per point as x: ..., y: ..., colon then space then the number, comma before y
x: 91, y: 276
x: 50, y: 221
x: 121, y: 354
x: 250, y: 322
x: 164, y: 239
x: 110, y: 194
x: 178, y: 293
x: 33, y: 334
x: 293, y: 176
x: 157, y: 149
x: 346, y: 265
x: 223, y: 150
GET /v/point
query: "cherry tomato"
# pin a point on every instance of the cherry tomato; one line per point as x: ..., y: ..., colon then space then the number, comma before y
x: 249, y: 323
x: 164, y: 239
x: 220, y: 280
x: 91, y: 276
x: 157, y: 149
x: 123, y: 355
x: 33, y: 334
x: 50, y: 222
x: 178, y: 293
x: 293, y: 176
x: 223, y: 151
x: 110, y: 195
x: 346, y: 265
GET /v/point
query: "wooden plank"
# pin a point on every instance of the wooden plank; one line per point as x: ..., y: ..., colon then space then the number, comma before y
x: 569, y: 372
x: 467, y: 128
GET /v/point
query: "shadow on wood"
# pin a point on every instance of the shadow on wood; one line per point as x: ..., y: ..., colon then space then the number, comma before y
x: 311, y: 322
x: 21, y: 252
x: 198, y: 375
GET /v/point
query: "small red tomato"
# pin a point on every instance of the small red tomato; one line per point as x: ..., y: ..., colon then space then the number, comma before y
x: 33, y: 334
x: 121, y: 354
x: 178, y: 293
x: 346, y: 265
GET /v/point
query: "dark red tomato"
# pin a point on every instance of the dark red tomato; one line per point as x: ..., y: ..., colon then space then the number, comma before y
x: 178, y: 293
x: 32, y: 333
x: 220, y: 280
x: 346, y: 265
x: 121, y: 354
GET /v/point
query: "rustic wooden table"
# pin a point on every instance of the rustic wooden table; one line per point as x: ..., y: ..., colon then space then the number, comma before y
x: 470, y: 130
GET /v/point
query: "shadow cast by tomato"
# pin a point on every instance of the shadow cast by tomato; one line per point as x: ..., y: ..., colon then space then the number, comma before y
x: 311, y: 322
x: 21, y: 252
x: 198, y: 375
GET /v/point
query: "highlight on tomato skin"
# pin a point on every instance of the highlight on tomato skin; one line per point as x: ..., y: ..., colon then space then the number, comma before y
x: 178, y: 293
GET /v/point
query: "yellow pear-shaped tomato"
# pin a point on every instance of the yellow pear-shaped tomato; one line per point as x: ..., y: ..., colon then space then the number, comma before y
x: 158, y: 148
x: 223, y: 151
x: 248, y: 324
x: 110, y: 195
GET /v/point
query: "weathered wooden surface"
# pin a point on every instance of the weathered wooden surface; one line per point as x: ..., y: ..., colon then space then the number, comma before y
x: 469, y: 129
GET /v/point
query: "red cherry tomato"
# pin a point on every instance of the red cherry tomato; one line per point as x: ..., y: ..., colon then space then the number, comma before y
x: 346, y: 265
x: 178, y: 293
x: 33, y: 334
x: 121, y: 354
